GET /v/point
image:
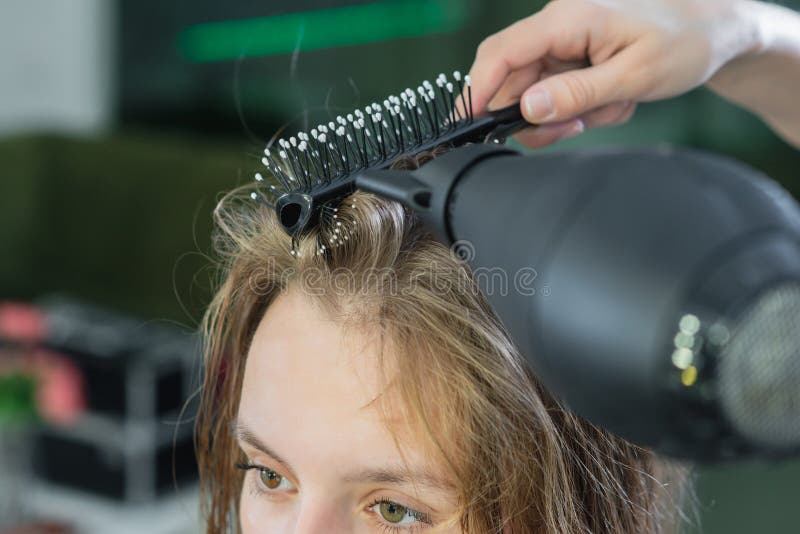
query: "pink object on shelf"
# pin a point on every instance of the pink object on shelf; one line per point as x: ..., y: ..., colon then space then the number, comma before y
x: 21, y: 322
x: 60, y: 395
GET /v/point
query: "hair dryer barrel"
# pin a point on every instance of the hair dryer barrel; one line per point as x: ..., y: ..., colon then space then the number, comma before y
x: 656, y: 292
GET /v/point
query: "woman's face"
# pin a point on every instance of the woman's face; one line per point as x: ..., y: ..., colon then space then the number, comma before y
x: 319, y: 456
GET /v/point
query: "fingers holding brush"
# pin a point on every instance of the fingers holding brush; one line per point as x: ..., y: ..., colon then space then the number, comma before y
x: 554, y: 63
x: 518, y: 81
x: 546, y: 134
x: 508, y: 51
x: 585, y: 62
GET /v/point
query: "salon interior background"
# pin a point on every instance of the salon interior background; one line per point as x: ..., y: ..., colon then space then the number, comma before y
x: 120, y: 124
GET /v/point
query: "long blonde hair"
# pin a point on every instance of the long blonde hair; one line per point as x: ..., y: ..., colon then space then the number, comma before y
x: 519, y: 461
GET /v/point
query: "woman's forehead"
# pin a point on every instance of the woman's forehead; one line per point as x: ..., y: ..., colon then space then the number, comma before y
x: 297, y: 341
x: 304, y: 364
x: 310, y: 381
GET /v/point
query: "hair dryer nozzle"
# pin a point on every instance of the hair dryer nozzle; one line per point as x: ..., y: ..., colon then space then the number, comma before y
x: 401, y: 186
x: 427, y: 190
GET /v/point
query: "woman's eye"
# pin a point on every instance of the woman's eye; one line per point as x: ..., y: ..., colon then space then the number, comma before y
x: 397, y: 514
x: 272, y: 480
x: 266, y: 479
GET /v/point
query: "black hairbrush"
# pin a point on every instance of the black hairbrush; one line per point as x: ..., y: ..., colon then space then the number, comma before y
x: 311, y: 173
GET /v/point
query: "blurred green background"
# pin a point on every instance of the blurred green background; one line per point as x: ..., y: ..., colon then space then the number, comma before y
x: 119, y: 131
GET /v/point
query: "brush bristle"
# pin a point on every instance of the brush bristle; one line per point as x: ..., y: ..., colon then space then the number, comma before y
x: 312, y: 173
x: 370, y: 138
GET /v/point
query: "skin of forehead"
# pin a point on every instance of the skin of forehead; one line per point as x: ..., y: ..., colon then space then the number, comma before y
x: 331, y: 388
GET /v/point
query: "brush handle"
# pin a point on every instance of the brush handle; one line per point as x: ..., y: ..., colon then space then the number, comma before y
x: 507, y: 121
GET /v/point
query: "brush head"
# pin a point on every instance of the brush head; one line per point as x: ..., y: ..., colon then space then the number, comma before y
x: 312, y: 172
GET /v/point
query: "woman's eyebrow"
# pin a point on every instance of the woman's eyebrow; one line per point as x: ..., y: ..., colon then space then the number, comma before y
x: 398, y: 476
x: 245, y: 435
x: 392, y: 475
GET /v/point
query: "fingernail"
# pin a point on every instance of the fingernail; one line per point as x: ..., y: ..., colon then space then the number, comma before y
x: 576, y: 128
x: 538, y: 105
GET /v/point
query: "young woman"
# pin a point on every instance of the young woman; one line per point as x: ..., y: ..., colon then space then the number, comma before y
x: 371, y: 389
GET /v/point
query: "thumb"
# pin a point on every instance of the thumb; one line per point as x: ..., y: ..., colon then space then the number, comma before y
x: 569, y: 94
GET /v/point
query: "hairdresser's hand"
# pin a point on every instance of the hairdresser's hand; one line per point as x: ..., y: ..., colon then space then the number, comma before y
x: 579, y: 64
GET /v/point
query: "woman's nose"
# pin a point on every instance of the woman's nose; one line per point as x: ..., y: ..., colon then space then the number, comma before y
x: 315, y: 515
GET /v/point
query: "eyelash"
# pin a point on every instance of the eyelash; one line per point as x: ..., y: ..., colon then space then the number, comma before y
x: 255, y: 485
x: 419, y: 516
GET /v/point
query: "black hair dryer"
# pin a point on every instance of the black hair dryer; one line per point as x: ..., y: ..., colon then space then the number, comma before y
x: 655, y: 291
